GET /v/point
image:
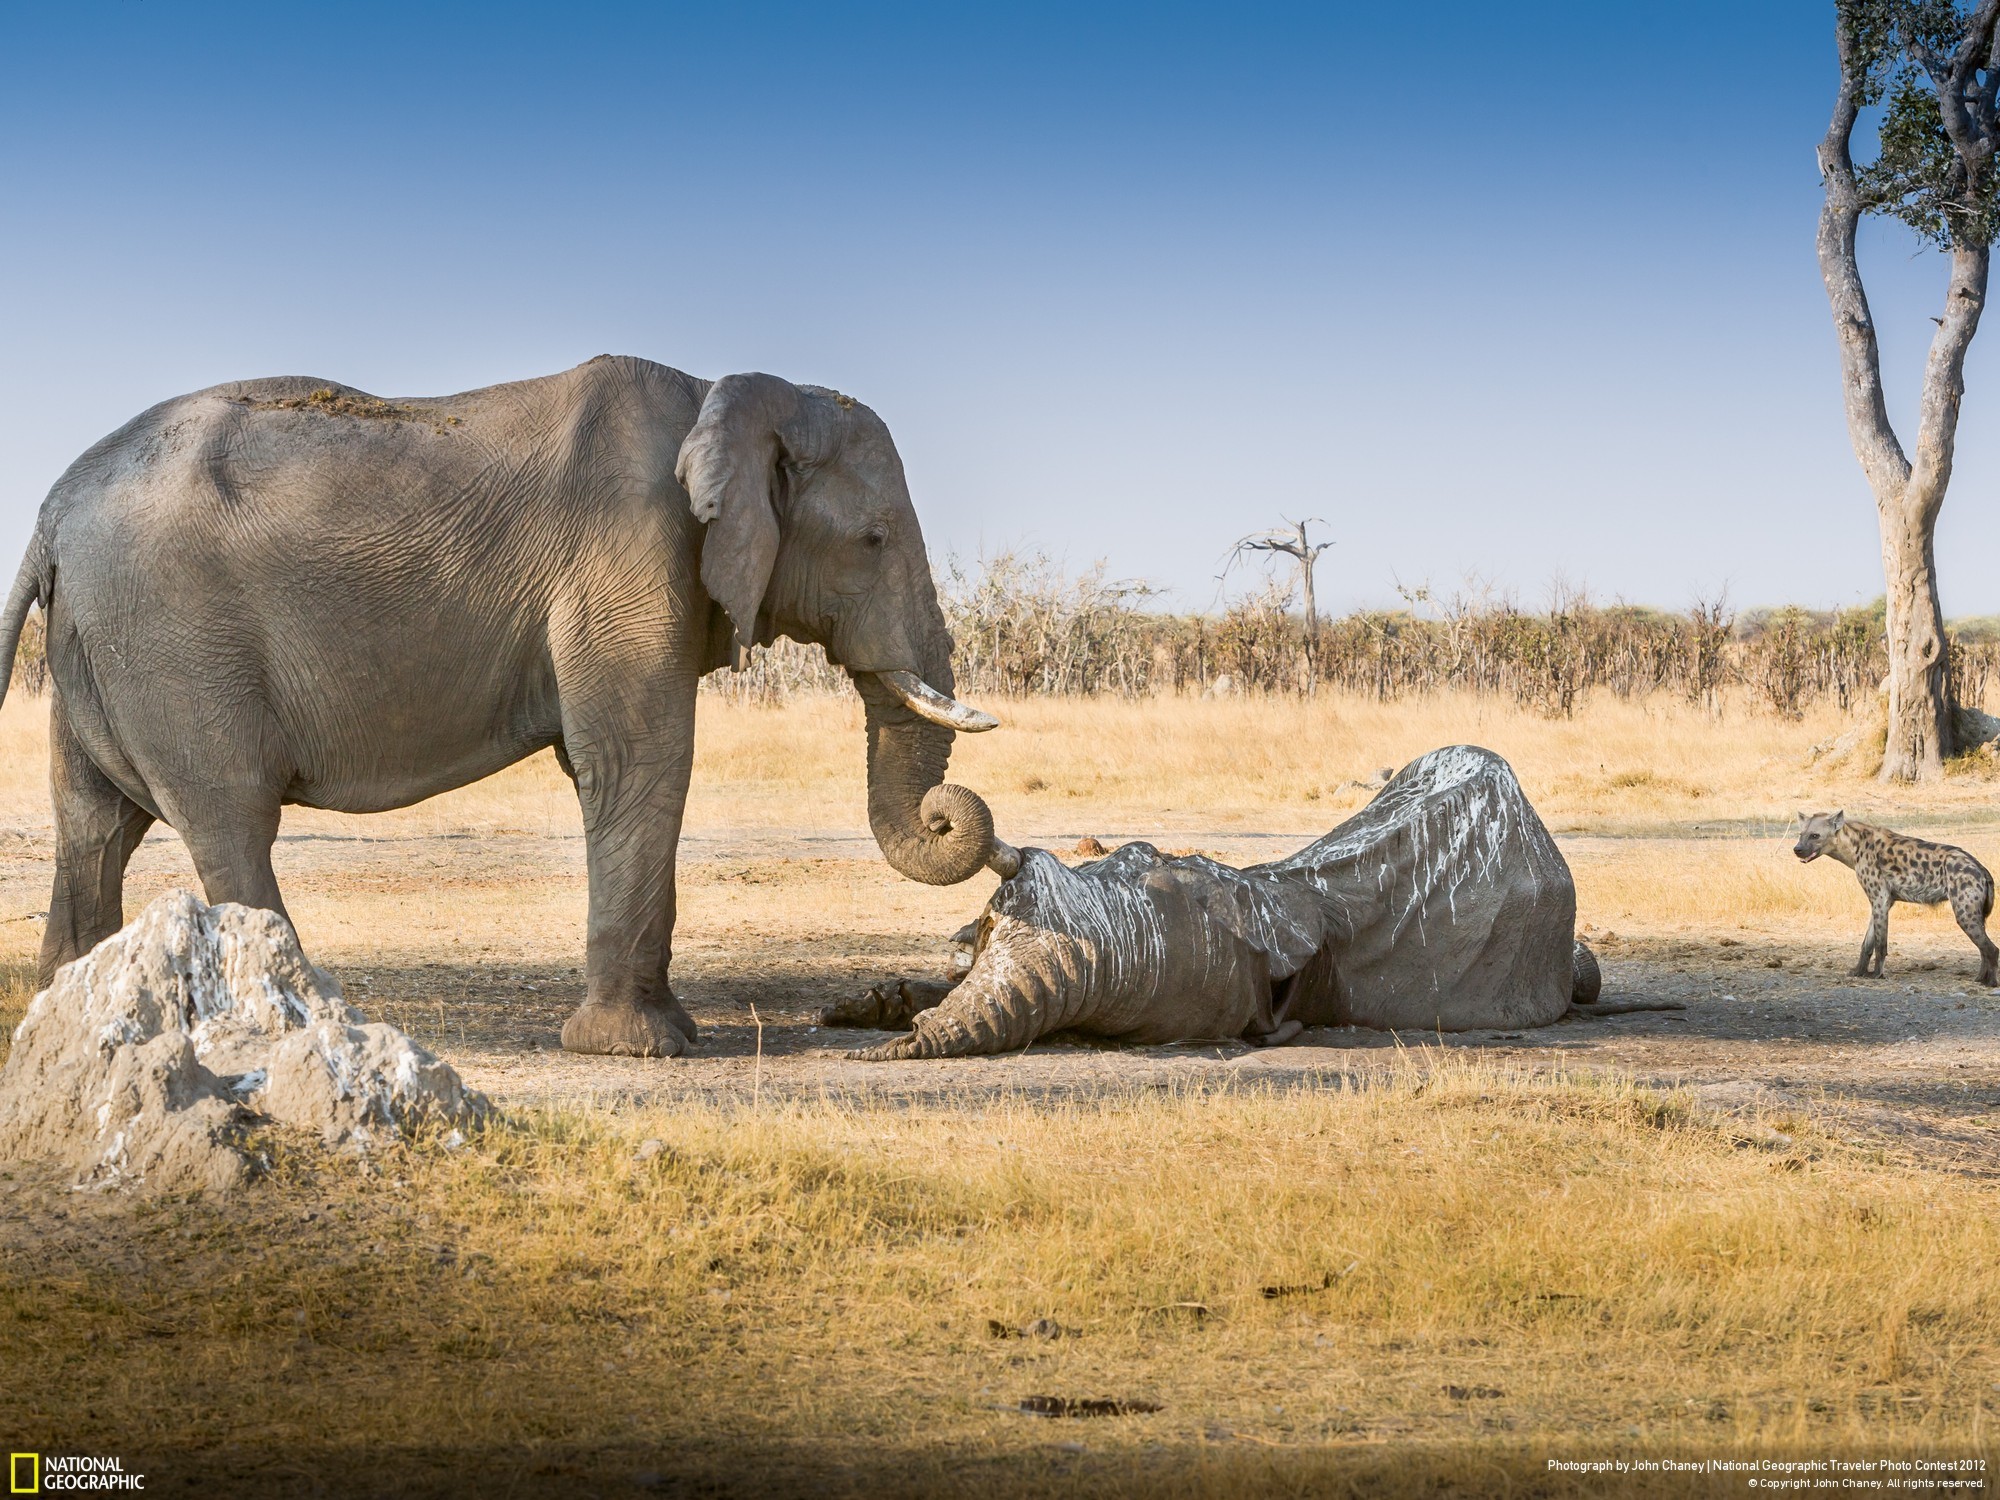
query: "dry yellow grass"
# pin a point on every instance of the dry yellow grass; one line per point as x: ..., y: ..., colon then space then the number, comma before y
x: 1664, y: 887
x: 1217, y: 765
x: 1182, y: 763
x: 1487, y: 1270
x: 1236, y: 761
x: 802, y: 1293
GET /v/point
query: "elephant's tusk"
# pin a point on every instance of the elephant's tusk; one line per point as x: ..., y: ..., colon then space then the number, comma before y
x: 926, y: 702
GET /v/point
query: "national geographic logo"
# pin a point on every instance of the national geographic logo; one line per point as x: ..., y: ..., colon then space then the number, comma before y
x: 46, y: 1473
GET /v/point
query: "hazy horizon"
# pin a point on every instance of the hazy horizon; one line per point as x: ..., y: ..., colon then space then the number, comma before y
x: 1125, y: 282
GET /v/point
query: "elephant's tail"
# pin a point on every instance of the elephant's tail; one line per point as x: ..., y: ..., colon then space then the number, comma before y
x: 34, y: 585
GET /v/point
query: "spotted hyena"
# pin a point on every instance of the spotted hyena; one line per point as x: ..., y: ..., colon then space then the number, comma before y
x: 1893, y: 867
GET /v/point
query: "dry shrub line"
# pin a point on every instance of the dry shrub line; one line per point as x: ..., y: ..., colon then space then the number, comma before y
x: 1025, y: 628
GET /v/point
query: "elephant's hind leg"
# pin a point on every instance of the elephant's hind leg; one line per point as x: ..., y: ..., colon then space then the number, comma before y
x: 230, y: 842
x: 97, y: 828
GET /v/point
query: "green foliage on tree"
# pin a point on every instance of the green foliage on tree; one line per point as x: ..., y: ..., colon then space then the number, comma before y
x: 1934, y: 169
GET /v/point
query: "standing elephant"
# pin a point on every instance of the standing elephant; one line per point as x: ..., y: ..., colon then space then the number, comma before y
x: 288, y: 591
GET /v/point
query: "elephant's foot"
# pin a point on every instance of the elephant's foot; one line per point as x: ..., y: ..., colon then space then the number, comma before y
x: 682, y: 1021
x: 896, y: 1049
x: 647, y: 1029
x: 891, y: 1005
x: 927, y: 1042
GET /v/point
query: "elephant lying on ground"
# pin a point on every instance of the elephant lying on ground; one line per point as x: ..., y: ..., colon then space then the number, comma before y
x: 1442, y: 905
x: 289, y: 591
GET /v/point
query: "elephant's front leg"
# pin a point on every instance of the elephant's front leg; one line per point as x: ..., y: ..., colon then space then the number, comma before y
x: 632, y: 782
x: 894, y: 1003
x: 1000, y: 1008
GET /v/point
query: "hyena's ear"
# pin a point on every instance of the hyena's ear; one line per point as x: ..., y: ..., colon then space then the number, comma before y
x: 1840, y: 820
x: 1803, y: 818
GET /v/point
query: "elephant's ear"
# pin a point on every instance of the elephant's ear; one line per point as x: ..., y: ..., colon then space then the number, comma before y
x: 729, y: 462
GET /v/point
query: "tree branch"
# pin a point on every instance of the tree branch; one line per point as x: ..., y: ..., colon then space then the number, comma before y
x: 1868, y: 425
x: 1971, y: 136
x: 1976, y: 45
x: 1944, y: 378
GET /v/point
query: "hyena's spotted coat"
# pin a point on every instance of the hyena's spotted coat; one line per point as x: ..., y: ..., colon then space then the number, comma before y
x: 1893, y: 867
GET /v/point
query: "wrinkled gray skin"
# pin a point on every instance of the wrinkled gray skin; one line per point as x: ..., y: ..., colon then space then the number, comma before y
x: 286, y: 591
x: 1442, y: 905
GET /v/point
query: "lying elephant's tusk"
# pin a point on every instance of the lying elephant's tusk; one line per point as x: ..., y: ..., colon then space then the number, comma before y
x: 925, y: 701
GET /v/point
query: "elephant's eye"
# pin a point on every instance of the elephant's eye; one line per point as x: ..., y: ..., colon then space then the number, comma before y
x: 874, y: 536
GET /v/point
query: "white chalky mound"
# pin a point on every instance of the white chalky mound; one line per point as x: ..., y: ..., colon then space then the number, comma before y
x: 150, y: 1058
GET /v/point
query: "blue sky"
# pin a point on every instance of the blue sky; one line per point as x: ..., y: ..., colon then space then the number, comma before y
x: 1514, y: 292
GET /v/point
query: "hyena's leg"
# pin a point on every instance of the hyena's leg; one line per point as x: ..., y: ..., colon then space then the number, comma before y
x: 1970, y: 906
x: 1875, y: 945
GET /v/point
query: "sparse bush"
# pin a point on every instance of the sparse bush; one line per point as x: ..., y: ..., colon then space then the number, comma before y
x: 1023, y: 626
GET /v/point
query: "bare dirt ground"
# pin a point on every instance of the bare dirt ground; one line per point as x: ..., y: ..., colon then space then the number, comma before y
x: 773, y: 929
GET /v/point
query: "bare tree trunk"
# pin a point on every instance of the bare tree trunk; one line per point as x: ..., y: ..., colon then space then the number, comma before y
x: 1920, y: 727
x: 1306, y: 559
x: 1293, y: 543
x: 1907, y: 496
x: 1921, y: 731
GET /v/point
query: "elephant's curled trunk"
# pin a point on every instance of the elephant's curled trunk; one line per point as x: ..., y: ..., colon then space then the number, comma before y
x: 928, y: 829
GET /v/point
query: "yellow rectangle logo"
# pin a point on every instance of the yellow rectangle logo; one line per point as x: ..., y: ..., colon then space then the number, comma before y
x: 20, y: 1464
